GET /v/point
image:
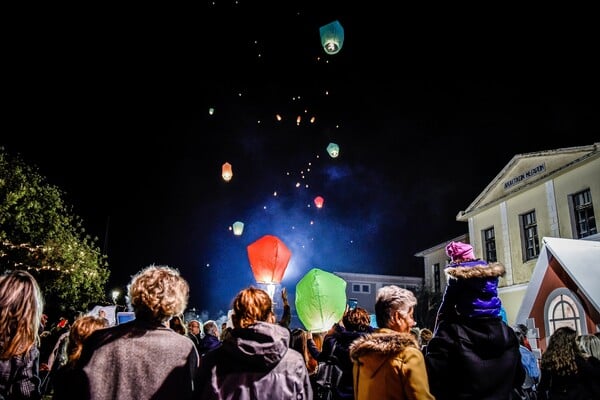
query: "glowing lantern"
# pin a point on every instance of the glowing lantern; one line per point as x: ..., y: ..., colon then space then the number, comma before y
x: 333, y: 150
x: 269, y: 258
x: 227, y: 172
x: 320, y: 300
x: 332, y: 37
x: 319, y: 201
x: 238, y: 228
x: 211, y: 111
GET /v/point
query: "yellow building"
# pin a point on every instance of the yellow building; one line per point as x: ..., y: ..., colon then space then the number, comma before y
x: 553, y: 193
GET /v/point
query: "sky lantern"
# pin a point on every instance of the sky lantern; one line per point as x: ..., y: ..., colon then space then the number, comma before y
x: 238, y: 228
x: 269, y: 258
x: 332, y: 37
x: 227, y: 172
x: 333, y: 149
x: 320, y: 300
x: 319, y: 201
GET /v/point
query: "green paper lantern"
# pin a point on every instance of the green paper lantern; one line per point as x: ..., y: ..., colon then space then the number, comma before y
x: 332, y: 37
x: 333, y: 149
x: 238, y: 228
x: 320, y: 300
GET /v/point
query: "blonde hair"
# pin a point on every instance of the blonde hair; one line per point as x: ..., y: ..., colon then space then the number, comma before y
x: 251, y: 305
x: 80, y: 330
x: 589, y: 345
x: 157, y: 293
x: 21, y: 307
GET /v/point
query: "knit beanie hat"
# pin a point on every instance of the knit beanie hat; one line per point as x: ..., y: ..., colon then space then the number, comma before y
x: 458, y: 251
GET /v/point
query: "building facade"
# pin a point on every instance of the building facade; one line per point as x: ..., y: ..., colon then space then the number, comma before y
x: 554, y: 193
x: 363, y: 287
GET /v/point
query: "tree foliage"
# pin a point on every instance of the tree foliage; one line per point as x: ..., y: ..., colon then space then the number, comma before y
x: 40, y: 233
x: 427, y: 307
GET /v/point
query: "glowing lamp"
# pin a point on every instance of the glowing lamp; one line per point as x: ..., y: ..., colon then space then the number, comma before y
x: 268, y: 257
x: 238, y: 228
x: 333, y: 150
x: 319, y: 201
x: 226, y: 172
x: 332, y: 37
x: 320, y: 300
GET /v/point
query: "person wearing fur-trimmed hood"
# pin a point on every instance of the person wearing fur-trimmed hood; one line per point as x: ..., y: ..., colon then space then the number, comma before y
x: 473, y: 354
x: 388, y: 364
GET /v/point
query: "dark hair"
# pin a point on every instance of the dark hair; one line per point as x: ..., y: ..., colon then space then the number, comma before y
x: 357, y: 320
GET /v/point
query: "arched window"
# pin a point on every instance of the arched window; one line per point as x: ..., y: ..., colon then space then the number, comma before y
x: 563, y: 309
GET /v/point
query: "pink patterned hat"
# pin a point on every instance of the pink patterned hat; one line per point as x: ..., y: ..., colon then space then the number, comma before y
x: 460, y: 251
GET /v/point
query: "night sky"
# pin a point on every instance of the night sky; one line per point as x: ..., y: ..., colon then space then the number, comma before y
x: 427, y: 108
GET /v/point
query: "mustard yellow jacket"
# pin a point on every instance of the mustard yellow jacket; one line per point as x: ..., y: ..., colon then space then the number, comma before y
x: 389, y: 365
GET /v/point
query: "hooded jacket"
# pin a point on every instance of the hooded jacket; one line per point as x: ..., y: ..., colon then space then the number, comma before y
x: 472, y: 290
x: 254, y: 363
x: 388, y: 365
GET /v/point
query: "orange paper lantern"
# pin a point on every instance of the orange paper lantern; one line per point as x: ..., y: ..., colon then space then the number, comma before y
x: 226, y: 172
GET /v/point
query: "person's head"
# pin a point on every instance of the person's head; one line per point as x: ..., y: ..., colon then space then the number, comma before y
x: 102, y: 313
x: 521, y: 328
x: 21, y: 306
x: 176, y: 323
x: 211, y: 328
x: 394, y: 308
x: 80, y: 330
x: 520, y: 336
x: 562, y: 349
x: 459, y: 251
x: 357, y: 320
x: 589, y: 345
x: 425, y: 336
x: 194, y: 327
x: 251, y: 305
x: 157, y: 293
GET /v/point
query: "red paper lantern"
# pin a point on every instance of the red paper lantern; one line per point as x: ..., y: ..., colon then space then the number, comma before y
x: 319, y: 201
x: 269, y: 258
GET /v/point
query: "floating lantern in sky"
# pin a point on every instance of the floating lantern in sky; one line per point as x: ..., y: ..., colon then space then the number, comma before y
x: 319, y: 201
x: 320, y: 300
x: 211, y: 111
x: 333, y: 150
x: 269, y: 258
x: 226, y: 172
x: 332, y: 37
x: 238, y: 228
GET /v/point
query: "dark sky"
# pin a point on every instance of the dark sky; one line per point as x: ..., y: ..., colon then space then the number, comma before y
x: 427, y: 108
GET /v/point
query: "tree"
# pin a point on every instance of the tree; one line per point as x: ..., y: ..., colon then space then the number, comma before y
x: 40, y: 233
x: 428, y: 304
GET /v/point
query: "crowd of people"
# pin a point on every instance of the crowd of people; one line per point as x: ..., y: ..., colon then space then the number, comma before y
x: 471, y: 353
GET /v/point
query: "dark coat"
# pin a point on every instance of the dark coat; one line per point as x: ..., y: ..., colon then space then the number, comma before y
x: 343, y: 339
x: 208, y: 343
x: 19, y: 376
x: 254, y: 363
x: 474, y: 359
x: 582, y: 385
x: 473, y: 353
